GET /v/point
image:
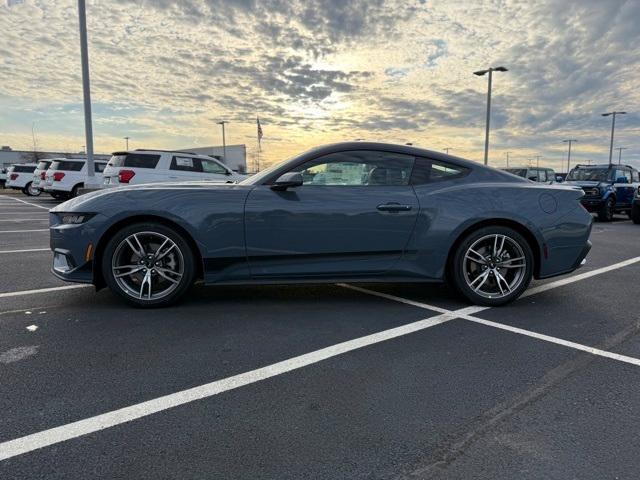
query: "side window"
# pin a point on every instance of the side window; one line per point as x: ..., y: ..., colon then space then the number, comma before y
x: 542, y: 175
x: 428, y: 171
x: 619, y: 174
x: 211, y: 166
x: 358, y: 168
x: 636, y: 176
x: 99, y: 167
x: 186, y: 164
x: 627, y: 174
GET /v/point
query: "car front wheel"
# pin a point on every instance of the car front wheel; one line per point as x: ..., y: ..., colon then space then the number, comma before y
x: 492, y: 266
x: 605, y: 214
x: 148, y: 265
x: 32, y: 191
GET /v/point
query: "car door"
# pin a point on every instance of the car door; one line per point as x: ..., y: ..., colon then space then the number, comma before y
x: 214, y: 171
x: 623, y: 186
x: 184, y: 168
x: 353, y: 215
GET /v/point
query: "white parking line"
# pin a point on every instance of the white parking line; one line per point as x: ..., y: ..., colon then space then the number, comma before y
x: 69, y: 431
x: 29, y: 203
x: 106, y: 420
x: 25, y: 231
x: 42, y: 290
x: 26, y: 250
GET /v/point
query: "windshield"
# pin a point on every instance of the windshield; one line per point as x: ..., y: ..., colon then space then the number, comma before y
x: 589, y: 174
x: 260, y: 176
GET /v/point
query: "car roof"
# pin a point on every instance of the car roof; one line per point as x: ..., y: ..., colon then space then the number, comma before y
x: 604, y: 165
x: 152, y: 152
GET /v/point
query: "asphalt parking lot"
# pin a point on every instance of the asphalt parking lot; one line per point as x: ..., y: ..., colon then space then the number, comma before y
x: 377, y: 381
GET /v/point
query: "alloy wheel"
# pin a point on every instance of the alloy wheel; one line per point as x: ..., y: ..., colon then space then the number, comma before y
x: 147, y: 265
x: 494, y: 266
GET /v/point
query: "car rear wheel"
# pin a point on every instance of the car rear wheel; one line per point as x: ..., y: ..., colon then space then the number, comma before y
x: 605, y: 214
x: 148, y: 264
x: 492, y: 266
x: 31, y: 190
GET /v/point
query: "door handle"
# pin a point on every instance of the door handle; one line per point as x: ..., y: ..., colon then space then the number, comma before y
x: 393, y: 207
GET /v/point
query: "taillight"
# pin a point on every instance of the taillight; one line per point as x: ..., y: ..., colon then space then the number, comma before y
x: 14, y: 176
x: 42, y: 175
x: 57, y: 176
x: 125, y: 176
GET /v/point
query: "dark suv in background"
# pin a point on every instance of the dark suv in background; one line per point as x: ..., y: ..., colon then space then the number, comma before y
x: 608, y: 189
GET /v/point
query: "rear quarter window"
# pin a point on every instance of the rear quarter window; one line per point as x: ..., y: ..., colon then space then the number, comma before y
x: 430, y: 171
x: 135, y: 160
x: 23, y: 169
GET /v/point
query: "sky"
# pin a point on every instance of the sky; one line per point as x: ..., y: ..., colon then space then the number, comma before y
x: 320, y: 71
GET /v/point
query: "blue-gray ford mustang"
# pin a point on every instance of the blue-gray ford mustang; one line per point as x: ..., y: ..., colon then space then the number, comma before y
x: 348, y: 212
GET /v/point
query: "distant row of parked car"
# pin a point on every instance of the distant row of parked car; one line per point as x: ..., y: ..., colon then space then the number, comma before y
x: 608, y: 189
x: 62, y: 178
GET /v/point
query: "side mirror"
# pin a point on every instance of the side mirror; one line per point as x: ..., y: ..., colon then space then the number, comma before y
x: 287, y: 180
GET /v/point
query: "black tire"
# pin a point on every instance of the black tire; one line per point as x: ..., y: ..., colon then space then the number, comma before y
x: 188, y: 258
x: 605, y: 214
x: 58, y: 195
x: 635, y: 214
x: 31, y: 192
x: 74, y: 191
x: 459, y: 264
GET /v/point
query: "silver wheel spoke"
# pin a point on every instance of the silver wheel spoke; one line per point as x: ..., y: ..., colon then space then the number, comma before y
x: 167, y: 277
x: 160, y: 256
x: 168, y: 271
x: 133, y: 269
x: 500, y: 279
x: 136, y: 250
x: 508, y: 263
x: 501, y: 247
x: 478, y: 257
x: 482, y: 277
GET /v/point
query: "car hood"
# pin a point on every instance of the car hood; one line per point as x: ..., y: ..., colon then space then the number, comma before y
x: 583, y: 183
x: 92, y: 201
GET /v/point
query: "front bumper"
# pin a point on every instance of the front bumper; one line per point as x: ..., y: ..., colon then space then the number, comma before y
x: 592, y: 204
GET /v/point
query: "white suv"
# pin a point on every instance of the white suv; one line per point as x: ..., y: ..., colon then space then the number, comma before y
x: 19, y: 177
x: 151, y: 166
x: 66, y: 176
x: 38, y: 176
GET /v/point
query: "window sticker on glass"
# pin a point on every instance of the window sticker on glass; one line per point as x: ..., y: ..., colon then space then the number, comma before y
x: 184, y: 162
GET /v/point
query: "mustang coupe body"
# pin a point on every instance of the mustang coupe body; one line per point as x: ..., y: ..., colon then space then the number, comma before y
x: 347, y: 212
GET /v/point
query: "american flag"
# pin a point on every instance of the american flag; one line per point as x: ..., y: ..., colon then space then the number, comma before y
x: 259, y: 130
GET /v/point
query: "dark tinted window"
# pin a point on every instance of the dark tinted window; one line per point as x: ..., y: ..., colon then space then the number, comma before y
x: 24, y: 169
x: 636, y: 176
x: 99, y: 167
x: 43, y: 165
x: 68, y: 166
x: 427, y: 171
x: 186, y: 164
x: 134, y: 160
x: 358, y: 168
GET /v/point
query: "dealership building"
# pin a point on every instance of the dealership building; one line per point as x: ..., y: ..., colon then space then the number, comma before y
x: 236, y: 155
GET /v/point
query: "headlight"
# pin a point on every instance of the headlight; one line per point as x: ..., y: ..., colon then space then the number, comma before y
x: 593, y: 192
x: 74, y: 218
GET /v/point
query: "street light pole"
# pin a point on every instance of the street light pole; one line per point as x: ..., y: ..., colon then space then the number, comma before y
x: 84, y: 55
x: 127, y: 143
x: 537, y: 161
x: 569, y: 154
x: 480, y: 73
x: 620, y: 154
x: 224, y: 141
x: 613, y: 128
x: 447, y: 150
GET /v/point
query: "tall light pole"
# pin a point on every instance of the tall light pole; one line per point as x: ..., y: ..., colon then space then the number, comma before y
x: 620, y: 154
x: 538, y: 161
x: 224, y: 141
x: 447, y: 150
x: 613, y: 128
x: 569, y: 141
x: 508, y: 159
x: 126, y: 139
x: 88, y: 128
x: 480, y: 73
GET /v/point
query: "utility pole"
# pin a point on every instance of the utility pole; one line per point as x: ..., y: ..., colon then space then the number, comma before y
x: 538, y: 161
x: 88, y: 127
x: 127, y: 143
x: 620, y: 154
x: 447, y: 150
x: 224, y: 141
x: 508, y: 159
x: 570, y: 141
x: 613, y: 128
x: 480, y: 73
